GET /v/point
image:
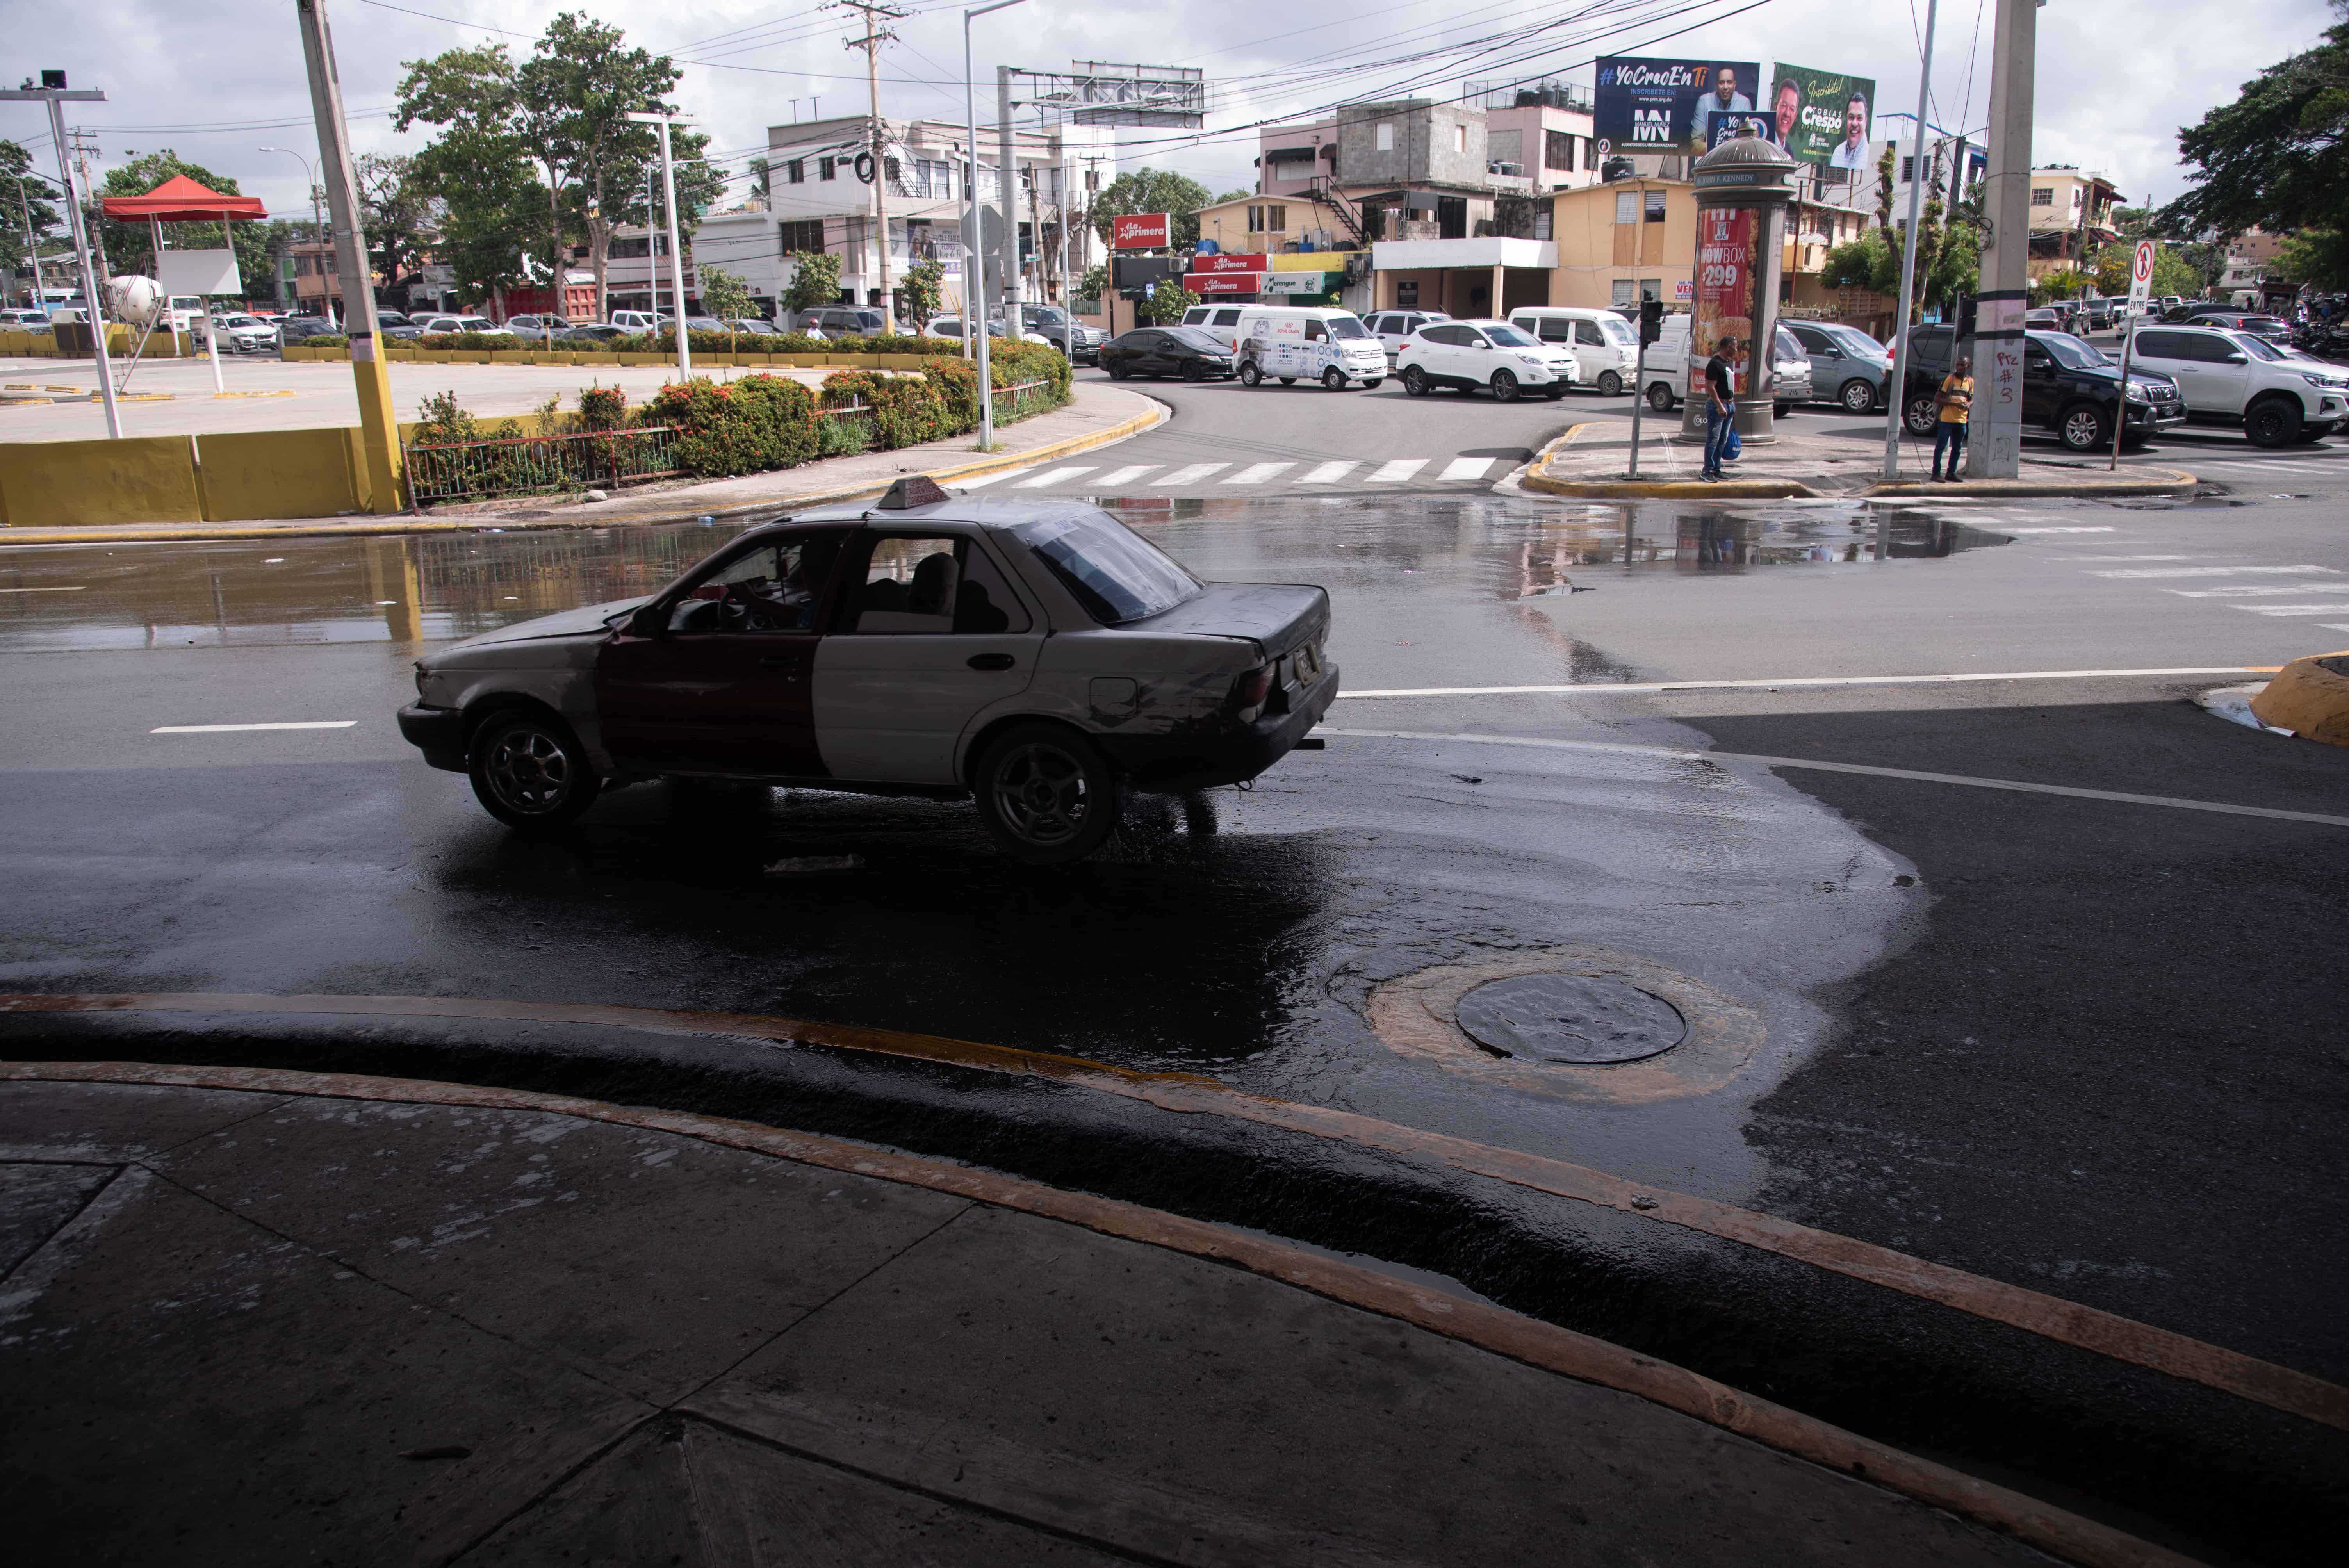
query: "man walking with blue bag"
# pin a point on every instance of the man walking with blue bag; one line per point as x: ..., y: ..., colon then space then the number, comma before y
x: 1720, y: 406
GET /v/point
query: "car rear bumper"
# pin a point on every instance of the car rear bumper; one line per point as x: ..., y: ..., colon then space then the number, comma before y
x: 438, y: 732
x: 1172, y: 763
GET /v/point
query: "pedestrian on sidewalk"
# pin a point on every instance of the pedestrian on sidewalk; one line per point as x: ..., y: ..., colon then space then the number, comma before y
x: 1720, y: 406
x: 1956, y: 399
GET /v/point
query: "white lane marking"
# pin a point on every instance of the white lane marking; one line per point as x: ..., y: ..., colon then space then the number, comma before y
x: 226, y: 728
x: 980, y: 481
x: 1465, y: 469
x: 1328, y: 473
x: 2171, y: 802
x: 2002, y: 527
x: 2248, y: 590
x: 1258, y: 473
x: 2217, y: 572
x: 2331, y: 609
x: 76, y: 589
x: 2332, y: 625
x: 1056, y: 476
x: 1126, y: 476
x: 1395, y: 472
x: 1800, y: 681
x: 1188, y: 476
x: 2131, y: 558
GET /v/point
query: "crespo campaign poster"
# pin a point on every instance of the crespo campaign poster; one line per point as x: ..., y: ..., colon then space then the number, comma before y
x: 1660, y: 106
x: 1823, y: 117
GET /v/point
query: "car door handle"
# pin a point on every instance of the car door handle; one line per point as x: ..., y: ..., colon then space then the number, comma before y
x: 991, y: 661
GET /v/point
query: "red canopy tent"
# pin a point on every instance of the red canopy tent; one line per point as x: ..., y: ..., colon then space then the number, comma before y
x: 180, y: 199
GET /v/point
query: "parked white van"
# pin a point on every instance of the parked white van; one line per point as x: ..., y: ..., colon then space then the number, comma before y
x: 1220, y: 322
x: 638, y: 320
x: 1606, y: 348
x: 1290, y: 343
x: 1668, y: 369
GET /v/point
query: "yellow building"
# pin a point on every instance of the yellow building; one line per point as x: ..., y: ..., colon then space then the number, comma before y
x: 1621, y: 242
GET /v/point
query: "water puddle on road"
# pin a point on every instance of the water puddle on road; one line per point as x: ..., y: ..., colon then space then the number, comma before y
x: 439, y: 587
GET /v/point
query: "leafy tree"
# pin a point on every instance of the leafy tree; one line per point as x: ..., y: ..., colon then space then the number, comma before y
x: 1152, y: 190
x: 724, y: 295
x: 1167, y: 305
x: 1229, y: 196
x: 399, y: 215
x: 815, y: 280
x: 2315, y: 256
x: 2277, y: 159
x: 1095, y: 282
x: 27, y: 197
x: 922, y: 291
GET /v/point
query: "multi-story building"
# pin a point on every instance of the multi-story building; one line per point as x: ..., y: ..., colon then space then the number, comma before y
x: 1539, y: 133
x: 2070, y: 217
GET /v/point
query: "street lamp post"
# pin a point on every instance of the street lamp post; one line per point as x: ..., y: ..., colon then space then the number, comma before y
x: 974, y: 259
x: 317, y: 218
x: 675, y: 255
x: 53, y: 91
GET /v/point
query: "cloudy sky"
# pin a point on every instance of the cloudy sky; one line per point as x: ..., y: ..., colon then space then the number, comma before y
x: 218, y: 79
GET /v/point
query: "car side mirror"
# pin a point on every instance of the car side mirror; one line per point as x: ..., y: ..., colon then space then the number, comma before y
x: 648, y: 621
x: 2239, y: 359
x: 1482, y: 343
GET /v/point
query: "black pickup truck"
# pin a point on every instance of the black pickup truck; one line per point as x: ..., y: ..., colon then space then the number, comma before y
x: 2070, y: 391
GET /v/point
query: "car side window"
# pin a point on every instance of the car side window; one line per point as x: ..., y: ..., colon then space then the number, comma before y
x: 1227, y: 318
x: 984, y: 601
x: 2161, y: 345
x: 1315, y: 332
x: 1587, y: 331
x: 2212, y: 349
x: 916, y: 584
x: 775, y: 586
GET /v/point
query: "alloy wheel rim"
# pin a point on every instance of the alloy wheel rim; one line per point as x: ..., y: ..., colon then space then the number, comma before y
x: 1042, y: 794
x: 2080, y: 430
x: 529, y: 770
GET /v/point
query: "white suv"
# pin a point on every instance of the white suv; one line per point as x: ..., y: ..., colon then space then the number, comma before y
x: 2238, y: 378
x: 1469, y: 354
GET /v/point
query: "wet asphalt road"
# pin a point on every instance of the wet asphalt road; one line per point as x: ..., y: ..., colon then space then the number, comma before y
x: 2085, y: 1047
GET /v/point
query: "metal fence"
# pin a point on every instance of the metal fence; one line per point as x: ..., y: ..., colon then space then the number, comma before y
x: 524, y: 465
x: 1021, y: 399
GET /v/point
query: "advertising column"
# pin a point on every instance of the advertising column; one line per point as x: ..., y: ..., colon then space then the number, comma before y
x: 1725, y: 256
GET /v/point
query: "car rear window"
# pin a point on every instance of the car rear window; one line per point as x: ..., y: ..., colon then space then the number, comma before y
x: 1114, y: 573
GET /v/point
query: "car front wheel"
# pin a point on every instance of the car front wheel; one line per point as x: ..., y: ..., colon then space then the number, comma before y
x: 1505, y: 387
x: 1610, y: 383
x: 1334, y: 379
x: 1415, y: 381
x: 2084, y: 429
x: 2274, y: 423
x: 1046, y: 794
x: 1250, y: 375
x: 1661, y: 399
x: 1859, y: 396
x: 530, y: 771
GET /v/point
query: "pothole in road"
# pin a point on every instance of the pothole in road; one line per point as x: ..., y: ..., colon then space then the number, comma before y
x: 1585, y: 1020
x: 1578, y: 1023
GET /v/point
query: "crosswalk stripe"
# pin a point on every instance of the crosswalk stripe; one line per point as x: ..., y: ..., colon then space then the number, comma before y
x: 1327, y: 473
x: 1125, y: 476
x: 1465, y: 469
x: 980, y: 481
x: 1396, y: 472
x: 2241, y: 590
x: 2216, y: 572
x: 1258, y: 473
x: 2333, y: 609
x: 2100, y: 528
x: 1188, y: 476
x: 1057, y: 476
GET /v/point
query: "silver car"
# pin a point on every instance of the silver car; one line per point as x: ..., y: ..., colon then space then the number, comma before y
x: 1848, y: 367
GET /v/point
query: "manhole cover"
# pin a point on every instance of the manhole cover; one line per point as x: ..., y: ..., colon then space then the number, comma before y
x: 1580, y: 1018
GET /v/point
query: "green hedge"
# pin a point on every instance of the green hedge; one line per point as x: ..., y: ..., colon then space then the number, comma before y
x: 323, y: 340
x: 746, y: 426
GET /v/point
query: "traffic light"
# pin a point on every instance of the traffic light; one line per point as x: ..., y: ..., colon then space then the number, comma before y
x: 1652, y: 320
x: 1965, y: 316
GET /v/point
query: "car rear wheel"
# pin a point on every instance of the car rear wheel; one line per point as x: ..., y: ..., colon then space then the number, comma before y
x: 1046, y: 793
x: 1334, y: 379
x: 2274, y: 423
x: 2085, y: 428
x: 1661, y: 399
x: 1610, y: 383
x: 1505, y: 387
x: 1859, y: 396
x: 1374, y: 383
x: 528, y: 772
x: 1250, y: 375
x: 1921, y: 416
x: 1193, y: 371
x: 1415, y: 381
x: 1117, y: 372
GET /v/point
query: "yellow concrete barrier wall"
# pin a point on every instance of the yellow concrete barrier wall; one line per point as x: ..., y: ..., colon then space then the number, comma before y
x: 279, y: 473
x: 140, y: 479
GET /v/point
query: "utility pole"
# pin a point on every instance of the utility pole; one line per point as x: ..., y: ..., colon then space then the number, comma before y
x: 676, y: 250
x: 1994, y: 450
x: 378, y: 425
x: 84, y: 149
x: 32, y: 249
x: 874, y: 36
x: 1008, y: 183
x: 1897, y: 383
x: 53, y: 91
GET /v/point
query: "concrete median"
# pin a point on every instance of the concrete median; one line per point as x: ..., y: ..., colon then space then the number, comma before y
x: 2310, y: 697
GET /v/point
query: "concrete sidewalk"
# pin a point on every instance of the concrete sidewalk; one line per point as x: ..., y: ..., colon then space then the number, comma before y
x: 1590, y: 461
x: 1096, y: 415
x: 265, y: 1318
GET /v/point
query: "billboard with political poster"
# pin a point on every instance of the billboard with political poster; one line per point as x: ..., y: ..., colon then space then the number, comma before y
x: 1660, y: 106
x: 1822, y: 118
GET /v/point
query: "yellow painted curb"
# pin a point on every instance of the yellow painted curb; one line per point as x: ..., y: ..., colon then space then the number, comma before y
x: 474, y: 522
x: 2310, y: 697
x: 2141, y: 482
x: 1537, y: 479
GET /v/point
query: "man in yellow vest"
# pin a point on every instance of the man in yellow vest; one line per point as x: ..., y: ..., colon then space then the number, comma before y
x: 1956, y: 400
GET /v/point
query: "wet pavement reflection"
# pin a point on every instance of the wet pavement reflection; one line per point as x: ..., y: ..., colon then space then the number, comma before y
x: 441, y: 587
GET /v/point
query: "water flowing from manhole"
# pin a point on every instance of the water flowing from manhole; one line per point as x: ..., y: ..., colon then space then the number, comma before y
x: 1584, y: 1020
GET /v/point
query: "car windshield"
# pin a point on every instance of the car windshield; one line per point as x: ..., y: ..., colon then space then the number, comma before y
x: 1195, y: 337
x: 2254, y: 345
x: 2070, y: 352
x: 1616, y: 328
x: 1113, y: 572
x: 1510, y: 337
x: 1346, y: 326
x: 1855, y: 341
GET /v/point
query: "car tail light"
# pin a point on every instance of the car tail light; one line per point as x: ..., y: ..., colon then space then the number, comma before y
x: 1251, y: 688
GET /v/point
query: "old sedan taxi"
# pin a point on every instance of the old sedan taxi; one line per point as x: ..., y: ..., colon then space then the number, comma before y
x: 1034, y: 655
